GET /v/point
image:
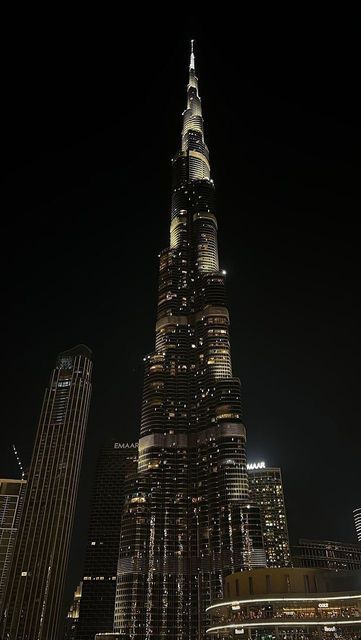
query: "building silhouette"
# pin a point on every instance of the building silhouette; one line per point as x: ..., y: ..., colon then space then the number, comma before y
x: 186, y: 522
x: 266, y: 489
x: 116, y: 462
x: 11, y: 503
x: 33, y: 600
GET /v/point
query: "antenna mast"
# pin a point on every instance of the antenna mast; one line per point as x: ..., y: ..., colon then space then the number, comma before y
x: 19, y: 462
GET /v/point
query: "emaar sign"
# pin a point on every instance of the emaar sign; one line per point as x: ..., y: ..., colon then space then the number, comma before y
x: 256, y: 465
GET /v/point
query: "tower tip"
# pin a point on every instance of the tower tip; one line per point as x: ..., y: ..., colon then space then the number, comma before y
x: 192, y: 61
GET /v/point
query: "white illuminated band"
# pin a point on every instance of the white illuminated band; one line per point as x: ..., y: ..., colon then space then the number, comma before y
x: 233, y: 603
x: 276, y: 623
x: 256, y: 465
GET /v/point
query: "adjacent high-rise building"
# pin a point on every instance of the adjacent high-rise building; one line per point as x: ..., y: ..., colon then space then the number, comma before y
x: 327, y: 554
x: 33, y: 600
x: 266, y: 489
x: 357, y: 520
x: 11, y: 504
x: 117, y: 461
x: 186, y: 523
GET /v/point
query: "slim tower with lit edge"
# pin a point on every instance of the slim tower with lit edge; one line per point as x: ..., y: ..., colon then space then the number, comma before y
x: 185, y: 524
x: 33, y: 599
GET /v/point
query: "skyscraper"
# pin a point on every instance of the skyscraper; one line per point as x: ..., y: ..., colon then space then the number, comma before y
x: 117, y: 461
x: 34, y: 592
x: 266, y: 489
x: 11, y: 503
x: 185, y: 525
x: 357, y: 520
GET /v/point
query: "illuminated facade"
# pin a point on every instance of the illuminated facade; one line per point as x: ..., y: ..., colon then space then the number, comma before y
x: 111, y: 636
x: 266, y: 490
x: 357, y: 520
x: 11, y: 503
x: 186, y: 520
x: 35, y: 589
x: 117, y: 461
x: 294, y: 604
x: 327, y: 554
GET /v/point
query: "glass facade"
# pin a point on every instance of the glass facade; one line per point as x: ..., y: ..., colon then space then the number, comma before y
x: 32, y: 604
x: 186, y: 520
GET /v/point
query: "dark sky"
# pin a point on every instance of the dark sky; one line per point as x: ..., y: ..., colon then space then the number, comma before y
x: 91, y: 119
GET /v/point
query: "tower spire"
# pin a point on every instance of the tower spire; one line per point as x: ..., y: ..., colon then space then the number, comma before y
x: 192, y: 131
x: 192, y: 60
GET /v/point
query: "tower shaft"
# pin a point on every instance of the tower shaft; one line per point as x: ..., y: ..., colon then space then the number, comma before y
x: 33, y: 600
x: 185, y: 520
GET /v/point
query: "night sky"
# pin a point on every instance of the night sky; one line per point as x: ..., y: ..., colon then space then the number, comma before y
x: 92, y: 118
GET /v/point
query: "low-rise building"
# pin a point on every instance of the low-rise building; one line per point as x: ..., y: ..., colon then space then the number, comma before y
x: 288, y: 603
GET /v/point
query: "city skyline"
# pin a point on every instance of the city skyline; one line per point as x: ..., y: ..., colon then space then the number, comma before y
x: 258, y: 424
